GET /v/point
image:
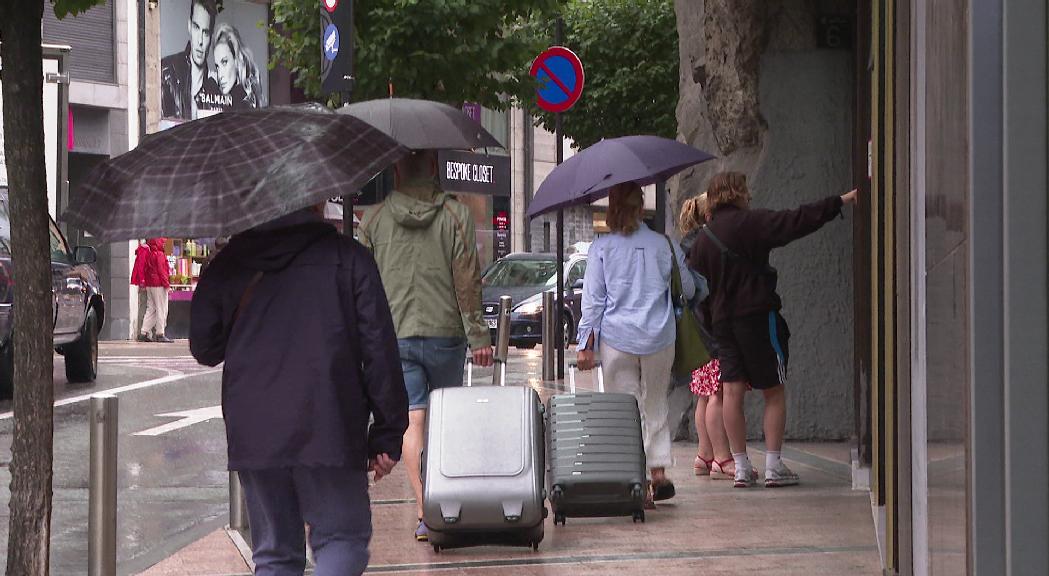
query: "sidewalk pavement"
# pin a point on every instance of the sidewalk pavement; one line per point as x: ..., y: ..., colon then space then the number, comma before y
x: 821, y: 527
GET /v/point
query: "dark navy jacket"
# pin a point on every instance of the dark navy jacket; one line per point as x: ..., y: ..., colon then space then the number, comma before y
x: 310, y: 356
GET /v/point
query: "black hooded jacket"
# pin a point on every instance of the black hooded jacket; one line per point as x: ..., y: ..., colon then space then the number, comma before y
x: 745, y: 284
x: 312, y: 352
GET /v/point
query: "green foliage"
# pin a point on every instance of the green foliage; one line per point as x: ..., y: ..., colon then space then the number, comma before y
x: 65, y: 8
x: 446, y: 50
x: 629, y: 50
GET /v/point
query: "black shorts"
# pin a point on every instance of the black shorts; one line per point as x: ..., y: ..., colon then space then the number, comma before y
x: 753, y: 349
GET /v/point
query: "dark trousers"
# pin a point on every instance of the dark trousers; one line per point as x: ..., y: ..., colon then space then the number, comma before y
x: 333, y: 501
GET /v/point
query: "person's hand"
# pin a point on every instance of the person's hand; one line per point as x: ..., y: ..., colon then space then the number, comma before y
x: 585, y: 360
x: 381, y: 465
x: 483, y: 357
x: 850, y: 197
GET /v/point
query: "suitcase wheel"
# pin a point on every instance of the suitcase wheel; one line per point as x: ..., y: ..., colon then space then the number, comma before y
x: 436, y: 549
x: 637, y: 492
x: 639, y: 516
x: 560, y: 518
x: 535, y: 546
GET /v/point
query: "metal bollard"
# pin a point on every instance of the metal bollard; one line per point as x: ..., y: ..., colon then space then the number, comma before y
x: 549, y: 335
x: 102, y: 488
x: 502, y: 341
x: 238, y: 510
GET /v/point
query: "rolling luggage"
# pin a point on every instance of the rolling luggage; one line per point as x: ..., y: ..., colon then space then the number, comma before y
x: 483, y: 467
x: 596, y: 454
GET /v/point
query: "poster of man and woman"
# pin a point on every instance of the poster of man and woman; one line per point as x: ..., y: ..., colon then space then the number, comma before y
x: 212, y: 60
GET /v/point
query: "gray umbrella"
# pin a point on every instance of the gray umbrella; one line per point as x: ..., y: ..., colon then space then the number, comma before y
x: 423, y: 124
x: 229, y: 172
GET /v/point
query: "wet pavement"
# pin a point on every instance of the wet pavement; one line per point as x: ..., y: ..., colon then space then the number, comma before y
x: 173, y: 497
x: 819, y: 528
x: 172, y: 487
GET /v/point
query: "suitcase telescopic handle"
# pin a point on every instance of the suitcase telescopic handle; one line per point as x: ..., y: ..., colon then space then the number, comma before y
x: 500, y: 365
x: 600, y: 376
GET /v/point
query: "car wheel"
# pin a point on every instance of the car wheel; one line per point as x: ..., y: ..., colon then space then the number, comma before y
x: 82, y: 355
x: 7, y: 372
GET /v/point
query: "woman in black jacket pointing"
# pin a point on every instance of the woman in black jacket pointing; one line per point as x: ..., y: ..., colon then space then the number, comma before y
x: 732, y: 252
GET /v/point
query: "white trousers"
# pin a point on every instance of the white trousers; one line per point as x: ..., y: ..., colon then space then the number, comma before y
x: 156, y: 319
x: 648, y: 379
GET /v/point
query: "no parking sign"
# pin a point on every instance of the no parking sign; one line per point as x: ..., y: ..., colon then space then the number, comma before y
x: 560, y: 75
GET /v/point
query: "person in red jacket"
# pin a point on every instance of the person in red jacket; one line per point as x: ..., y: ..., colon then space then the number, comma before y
x: 151, y: 273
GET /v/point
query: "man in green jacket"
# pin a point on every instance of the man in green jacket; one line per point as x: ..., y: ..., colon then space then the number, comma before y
x: 424, y: 244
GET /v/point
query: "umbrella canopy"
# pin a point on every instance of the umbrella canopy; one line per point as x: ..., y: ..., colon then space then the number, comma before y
x: 230, y: 172
x: 423, y: 124
x: 590, y: 174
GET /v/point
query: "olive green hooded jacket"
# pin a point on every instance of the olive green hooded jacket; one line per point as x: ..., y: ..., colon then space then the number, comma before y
x: 424, y: 244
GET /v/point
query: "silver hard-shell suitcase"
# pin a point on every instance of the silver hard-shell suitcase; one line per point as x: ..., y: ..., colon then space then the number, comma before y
x: 483, y: 467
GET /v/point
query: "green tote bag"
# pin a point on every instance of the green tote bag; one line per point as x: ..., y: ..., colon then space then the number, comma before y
x: 689, y: 351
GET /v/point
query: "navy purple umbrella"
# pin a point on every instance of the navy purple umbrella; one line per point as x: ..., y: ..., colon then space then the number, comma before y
x: 590, y: 174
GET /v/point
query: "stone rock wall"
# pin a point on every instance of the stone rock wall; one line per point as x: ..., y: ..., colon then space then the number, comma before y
x: 757, y: 92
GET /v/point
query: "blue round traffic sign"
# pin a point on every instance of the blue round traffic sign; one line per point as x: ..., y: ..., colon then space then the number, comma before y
x: 331, y: 42
x: 560, y: 75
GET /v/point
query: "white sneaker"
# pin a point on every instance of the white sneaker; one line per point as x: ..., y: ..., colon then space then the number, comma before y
x: 780, y: 476
x: 745, y: 477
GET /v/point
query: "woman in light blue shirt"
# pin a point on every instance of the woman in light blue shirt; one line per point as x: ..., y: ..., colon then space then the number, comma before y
x: 628, y: 316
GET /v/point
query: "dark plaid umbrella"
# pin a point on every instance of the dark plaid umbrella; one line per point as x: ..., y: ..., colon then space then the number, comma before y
x: 590, y: 174
x: 229, y: 172
x: 423, y: 124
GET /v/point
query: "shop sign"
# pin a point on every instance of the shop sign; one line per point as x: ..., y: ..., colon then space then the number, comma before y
x: 501, y: 221
x: 476, y: 173
x: 501, y: 226
x: 473, y: 110
x: 502, y: 243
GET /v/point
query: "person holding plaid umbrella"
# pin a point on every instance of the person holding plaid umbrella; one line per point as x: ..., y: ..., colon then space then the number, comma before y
x: 295, y: 311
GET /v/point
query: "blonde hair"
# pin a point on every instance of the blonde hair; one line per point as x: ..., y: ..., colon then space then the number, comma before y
x: 247, y: 73
x: 727, y: 189
x: 693, y: 214
x: 625, y: 203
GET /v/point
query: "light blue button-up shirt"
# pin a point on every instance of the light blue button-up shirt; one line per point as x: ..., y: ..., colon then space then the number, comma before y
x: 626, y: 292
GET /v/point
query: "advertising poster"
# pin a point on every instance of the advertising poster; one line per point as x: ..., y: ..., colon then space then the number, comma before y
x: 211, y: 61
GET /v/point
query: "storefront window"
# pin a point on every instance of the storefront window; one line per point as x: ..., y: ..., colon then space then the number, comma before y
x: 186, y: 260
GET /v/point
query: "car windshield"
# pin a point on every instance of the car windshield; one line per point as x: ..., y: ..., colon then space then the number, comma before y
x: 508, y: 273
x: 5, y: 225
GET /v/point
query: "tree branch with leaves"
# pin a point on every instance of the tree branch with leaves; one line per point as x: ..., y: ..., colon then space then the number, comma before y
x: 451, y: 51
x: 629, y: 50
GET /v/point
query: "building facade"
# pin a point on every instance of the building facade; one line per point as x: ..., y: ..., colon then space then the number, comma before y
x: 951, y: 270
x: 102, y: 123
x: 934, y: 303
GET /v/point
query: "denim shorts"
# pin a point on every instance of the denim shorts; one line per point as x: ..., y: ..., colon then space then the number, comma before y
x: 429, y: 364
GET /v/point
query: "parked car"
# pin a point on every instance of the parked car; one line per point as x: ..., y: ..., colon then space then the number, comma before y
x: 79, y: 309
x: 524, y: 277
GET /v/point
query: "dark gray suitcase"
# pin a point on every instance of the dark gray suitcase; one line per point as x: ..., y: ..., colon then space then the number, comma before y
x: 596, y: 454
x: 483, y: 467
